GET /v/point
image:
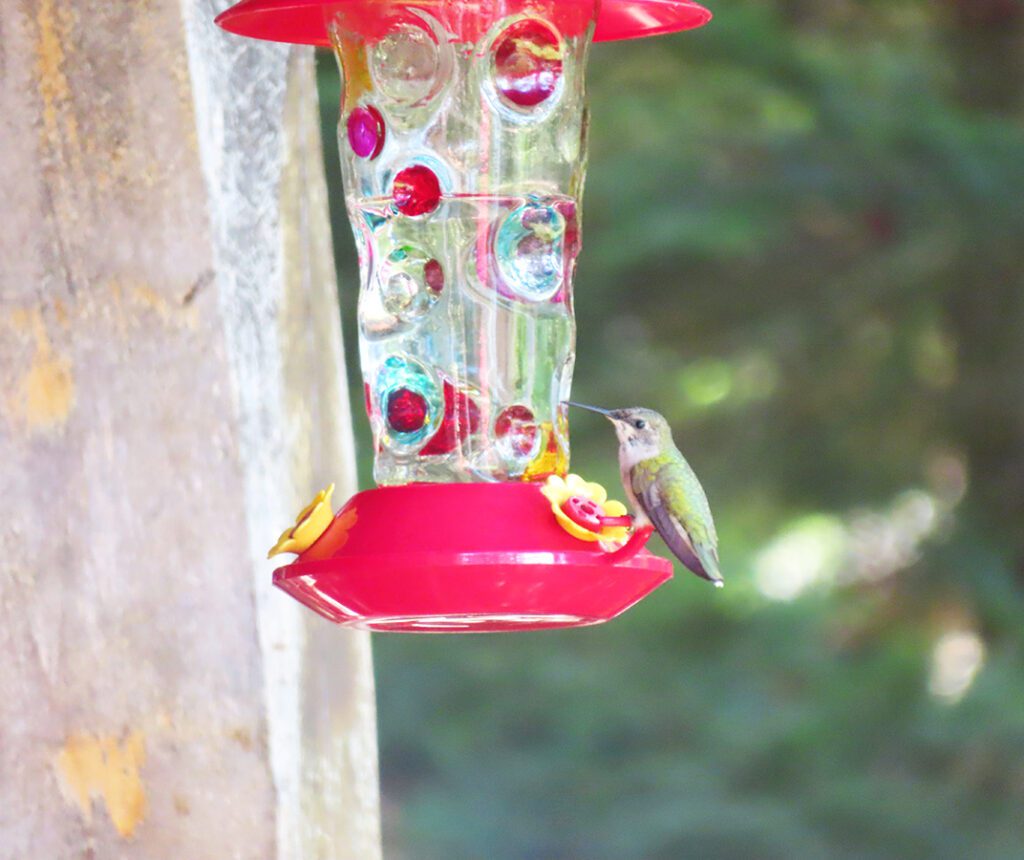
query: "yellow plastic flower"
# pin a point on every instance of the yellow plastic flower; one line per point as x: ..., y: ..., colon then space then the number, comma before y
x: 578, y: 493
x: 309, y: 525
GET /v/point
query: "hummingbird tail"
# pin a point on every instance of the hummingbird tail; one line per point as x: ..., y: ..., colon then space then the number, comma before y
x: 709, y: 563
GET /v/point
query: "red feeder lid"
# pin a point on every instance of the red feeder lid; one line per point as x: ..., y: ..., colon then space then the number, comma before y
x: 304, y: 22
x: 463, y: 558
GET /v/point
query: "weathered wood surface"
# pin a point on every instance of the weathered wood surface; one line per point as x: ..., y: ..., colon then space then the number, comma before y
x: 171, y: 393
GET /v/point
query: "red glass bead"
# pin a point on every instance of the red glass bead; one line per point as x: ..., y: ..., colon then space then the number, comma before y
x: 461, y: 417
x: 527, y: 63
x: 571, y: 241
x: 367, y: 400
x: 407, y: 410
x: 584, y: 512
x: 567, y: 209
x: 433, y: 274
x: 416, y: 190
x: 517, y: 425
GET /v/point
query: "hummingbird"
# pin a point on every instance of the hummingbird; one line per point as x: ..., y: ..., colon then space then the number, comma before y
x: 662, y: 488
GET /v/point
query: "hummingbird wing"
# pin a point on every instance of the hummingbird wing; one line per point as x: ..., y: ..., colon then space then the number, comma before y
x: 694, y: 544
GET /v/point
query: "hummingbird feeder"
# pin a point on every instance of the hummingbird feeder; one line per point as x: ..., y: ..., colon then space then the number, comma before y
x: 463, y: 135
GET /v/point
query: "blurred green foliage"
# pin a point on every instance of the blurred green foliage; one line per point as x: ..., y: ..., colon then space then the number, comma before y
x: 804, y: 242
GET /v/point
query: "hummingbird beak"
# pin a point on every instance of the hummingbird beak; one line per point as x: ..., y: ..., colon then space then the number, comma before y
x: 605, y: 412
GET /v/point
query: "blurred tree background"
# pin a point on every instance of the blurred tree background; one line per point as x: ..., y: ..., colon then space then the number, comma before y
x: 804, y: 242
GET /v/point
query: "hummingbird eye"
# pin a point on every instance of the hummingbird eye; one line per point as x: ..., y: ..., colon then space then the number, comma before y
x: 639, y: 423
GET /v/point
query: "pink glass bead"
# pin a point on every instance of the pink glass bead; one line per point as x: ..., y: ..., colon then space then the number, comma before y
x: 366, y: 131
x: 407, y: 411
x: 527, y: 63
x: 416, y: 190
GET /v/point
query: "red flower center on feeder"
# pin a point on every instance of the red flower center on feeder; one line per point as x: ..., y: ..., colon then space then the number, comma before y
x: 416, y: 190
x: 584, y: 512
x: 407, y: 411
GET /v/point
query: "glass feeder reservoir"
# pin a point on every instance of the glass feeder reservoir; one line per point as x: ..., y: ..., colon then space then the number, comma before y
x: 463, y: 136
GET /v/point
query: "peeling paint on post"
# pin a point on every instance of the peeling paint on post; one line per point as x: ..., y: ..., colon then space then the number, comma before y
x: 171, y: 393
x: 108, y: 770
x: 44, y: 395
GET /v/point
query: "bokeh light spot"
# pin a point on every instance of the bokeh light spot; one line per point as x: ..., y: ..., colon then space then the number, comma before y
x: 957, y: 658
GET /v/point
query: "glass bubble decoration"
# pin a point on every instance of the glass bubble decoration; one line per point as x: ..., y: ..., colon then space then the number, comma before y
x: 529, y: 250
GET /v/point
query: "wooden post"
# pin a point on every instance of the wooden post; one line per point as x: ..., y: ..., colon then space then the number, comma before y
x: 172, y: 391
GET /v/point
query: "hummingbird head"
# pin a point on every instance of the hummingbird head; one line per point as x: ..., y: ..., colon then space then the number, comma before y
x: 643, y: 433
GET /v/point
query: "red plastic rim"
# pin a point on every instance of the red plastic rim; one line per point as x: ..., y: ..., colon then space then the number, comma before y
x: 304, y: 22
x: 471, y: 558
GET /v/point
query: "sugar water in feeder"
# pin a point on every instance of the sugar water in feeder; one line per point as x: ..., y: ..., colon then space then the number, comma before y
x: 463, y: 140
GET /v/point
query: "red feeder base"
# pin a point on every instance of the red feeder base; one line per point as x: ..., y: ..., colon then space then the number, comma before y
x: 464, y: 558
